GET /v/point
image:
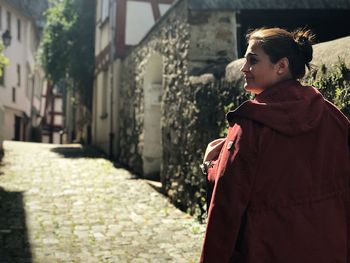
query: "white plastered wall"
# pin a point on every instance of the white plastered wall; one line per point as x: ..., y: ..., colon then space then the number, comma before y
x: 139, y: 20
x: 102, y: 111
x: 152, y: 151
x: 19, y: 52
x: 2, y: 112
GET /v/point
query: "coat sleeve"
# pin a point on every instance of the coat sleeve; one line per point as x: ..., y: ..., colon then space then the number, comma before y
x: 349, y: 136
x: 231, y: 193
x: 212, y: 153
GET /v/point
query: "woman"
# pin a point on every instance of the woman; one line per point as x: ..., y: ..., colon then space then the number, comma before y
x: 281, y: 180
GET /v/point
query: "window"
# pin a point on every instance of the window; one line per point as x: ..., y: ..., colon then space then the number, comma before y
x: 0, y: 17
x: 19, y: 30
x: 2, y: 77
x: 104, y: 95
x: 18, y: 75
x: 27, y: 83
x: 104, y: 10
x: 38, y: 86
x: 8, y: 20
x: 13, y: 94
x: 98, y: 11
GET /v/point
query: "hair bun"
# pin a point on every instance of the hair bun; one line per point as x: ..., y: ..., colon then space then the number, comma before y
x: 304, y: 39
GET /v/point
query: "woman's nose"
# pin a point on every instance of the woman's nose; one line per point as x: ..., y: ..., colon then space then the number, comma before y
x: 244, y: 67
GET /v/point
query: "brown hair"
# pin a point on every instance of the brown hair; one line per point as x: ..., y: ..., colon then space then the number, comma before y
x: 279, y: 43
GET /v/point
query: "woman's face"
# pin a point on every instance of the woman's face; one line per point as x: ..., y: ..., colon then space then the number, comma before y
x: 258, y: 70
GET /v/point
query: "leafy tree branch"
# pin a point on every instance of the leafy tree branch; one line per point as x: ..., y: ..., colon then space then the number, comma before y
x: 67, y: 47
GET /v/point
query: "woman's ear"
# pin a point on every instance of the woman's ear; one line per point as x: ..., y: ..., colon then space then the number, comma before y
x: 283, y: 66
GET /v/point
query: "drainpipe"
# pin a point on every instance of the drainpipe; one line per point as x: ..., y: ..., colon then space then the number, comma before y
x: 32, y: 78
x: 52, y: 114
x: 111, y: 61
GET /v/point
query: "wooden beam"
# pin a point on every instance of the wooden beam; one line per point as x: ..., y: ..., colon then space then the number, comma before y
x: 155, y: 9
x: 56, y: 113
x: 120, y: 27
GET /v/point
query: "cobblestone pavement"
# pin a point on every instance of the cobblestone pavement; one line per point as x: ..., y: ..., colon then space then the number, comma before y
x: 62, y: 203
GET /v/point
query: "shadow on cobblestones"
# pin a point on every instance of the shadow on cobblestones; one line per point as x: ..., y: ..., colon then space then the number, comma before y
x: 14, y: 242
x: 156, y: 186
x: 79, y: 152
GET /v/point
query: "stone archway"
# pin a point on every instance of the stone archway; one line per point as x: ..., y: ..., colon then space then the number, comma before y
x: 153, y: 89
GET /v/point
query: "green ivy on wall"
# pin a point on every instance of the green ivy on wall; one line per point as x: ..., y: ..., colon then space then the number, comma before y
x: 334, y: 84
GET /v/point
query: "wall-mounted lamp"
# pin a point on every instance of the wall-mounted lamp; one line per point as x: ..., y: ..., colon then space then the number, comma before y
x: 6, y: 38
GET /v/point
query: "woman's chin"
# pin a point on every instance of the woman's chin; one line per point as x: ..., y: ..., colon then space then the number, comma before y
x: 252, y: 88
x: 249, y: 87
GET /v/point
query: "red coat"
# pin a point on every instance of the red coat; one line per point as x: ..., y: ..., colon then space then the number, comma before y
x: 281, y: 182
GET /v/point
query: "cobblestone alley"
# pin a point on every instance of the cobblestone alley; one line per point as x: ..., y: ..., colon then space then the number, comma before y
x: 60, y: 203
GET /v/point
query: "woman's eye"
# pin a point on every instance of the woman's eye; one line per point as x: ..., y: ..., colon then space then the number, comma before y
x: 253, y: 61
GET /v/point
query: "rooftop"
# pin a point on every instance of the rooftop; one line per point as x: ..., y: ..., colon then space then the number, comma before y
x: 31, y: 9
x: 268, y: 4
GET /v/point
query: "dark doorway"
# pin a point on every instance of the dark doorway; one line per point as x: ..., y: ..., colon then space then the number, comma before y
x: 18, y: 124
x: 326, y: 24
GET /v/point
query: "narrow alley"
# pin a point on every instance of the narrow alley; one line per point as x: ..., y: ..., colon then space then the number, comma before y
x: 62, y: 203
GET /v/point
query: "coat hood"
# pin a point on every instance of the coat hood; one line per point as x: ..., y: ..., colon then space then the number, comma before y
x: 287, y: 107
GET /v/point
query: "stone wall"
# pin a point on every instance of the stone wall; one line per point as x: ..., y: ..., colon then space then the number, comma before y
x: 191, y: 106
x: 200, y: 118
x: 170, y: 40
x: 328, y: 53
x: 212, y: 39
